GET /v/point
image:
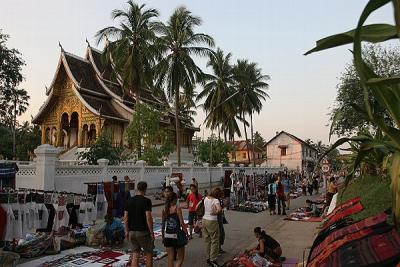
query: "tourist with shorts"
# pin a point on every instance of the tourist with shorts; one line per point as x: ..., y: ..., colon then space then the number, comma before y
x: 174, y: 231
x: 192, y: 200
x: 271, y: 189
x: 212, y: 208
x: 139, y: 225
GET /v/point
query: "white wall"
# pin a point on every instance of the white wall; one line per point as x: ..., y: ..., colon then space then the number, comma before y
x: 293, y: 158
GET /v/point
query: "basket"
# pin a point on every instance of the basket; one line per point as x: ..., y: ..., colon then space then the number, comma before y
x: 8, y: 259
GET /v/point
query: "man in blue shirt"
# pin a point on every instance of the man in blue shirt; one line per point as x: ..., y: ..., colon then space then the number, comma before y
x: 114, y: 232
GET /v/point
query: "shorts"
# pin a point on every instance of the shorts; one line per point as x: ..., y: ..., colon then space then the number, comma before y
x: 192, y: 217
x: 141, y: 239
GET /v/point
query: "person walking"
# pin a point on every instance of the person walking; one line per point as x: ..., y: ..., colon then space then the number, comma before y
x: 310, y: 188
x: 174, y: 231
x: 304, y: 185
x: 271, y: 189
x: 316, y: 185
x: 287, y: 186
x: 212, y: 208
x: 139, y: 225
x: 280, y: 194
x: 192, y: 200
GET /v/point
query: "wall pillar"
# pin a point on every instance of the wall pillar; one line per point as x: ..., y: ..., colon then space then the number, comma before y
x: 142, y: 165
x: 103, y: 163
x: 207, y: 165
x: 46, y: 156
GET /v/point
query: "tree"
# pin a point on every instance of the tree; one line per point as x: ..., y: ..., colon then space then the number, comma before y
x: 217, y: 89
x: 259, y: 141
x: 214, y: 151
x: 177, y: 70
x: 102, y: 149
x: 18, y: 104
x: 10, y: 70
x: 345, y: 120
x: 155, y: 143
x: 135, y: 51
x: 250, y: 83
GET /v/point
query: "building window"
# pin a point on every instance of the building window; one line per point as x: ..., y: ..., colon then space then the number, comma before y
x: 283, y: 151
x: 244, y: 155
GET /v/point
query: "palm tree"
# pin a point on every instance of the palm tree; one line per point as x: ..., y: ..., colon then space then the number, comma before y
x: 18, y: 104
x: 217, y: 88
x: 134, y: 52
x: 177, y: 69
x: 250, y: 83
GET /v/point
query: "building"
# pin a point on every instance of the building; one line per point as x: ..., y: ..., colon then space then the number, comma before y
x: 239, y: 155
x: 86, y: 97
x: 287, y: 150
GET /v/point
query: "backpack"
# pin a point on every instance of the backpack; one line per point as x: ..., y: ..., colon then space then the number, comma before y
x: 200, y: 208
x: 171, y: 227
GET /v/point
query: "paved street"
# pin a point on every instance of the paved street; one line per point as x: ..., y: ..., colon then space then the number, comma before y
x: 293, y: 236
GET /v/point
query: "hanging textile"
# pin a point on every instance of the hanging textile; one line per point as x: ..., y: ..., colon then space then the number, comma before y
x: 7, y: 175
x: 101, y: 202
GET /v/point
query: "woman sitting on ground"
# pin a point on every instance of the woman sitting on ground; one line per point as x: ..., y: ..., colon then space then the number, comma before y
x: 267, y: 246
x: 313, y: 208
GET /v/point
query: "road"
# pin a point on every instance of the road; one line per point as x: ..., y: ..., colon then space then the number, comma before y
x: 294, y: 237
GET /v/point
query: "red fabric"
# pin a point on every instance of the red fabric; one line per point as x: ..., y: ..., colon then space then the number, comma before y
x: 376, y: 250
x: 3, y: 222
x: 332, y: 247
x: 108, y: 194
x: 193, y: 201
x: 343, y: 214
x: 366, y: 223
x: 280, y: 190
x: 343, y: 206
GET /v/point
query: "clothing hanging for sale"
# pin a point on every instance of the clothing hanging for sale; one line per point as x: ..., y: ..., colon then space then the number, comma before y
x: 113, y: 196
x: 25, y: 211
x: 7, y: 174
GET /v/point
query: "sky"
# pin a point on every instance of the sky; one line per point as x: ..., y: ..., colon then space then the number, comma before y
x: 275, y: 34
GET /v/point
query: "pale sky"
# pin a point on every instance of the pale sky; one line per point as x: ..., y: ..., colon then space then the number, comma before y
x: 273, y: 33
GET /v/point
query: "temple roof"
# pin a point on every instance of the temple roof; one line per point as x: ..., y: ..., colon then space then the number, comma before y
x: 99, y: 88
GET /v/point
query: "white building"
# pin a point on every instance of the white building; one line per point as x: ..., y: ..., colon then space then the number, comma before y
x: 289, y: 151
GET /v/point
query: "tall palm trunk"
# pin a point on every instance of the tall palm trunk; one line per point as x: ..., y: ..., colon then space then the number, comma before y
x: 234, y: 147
x: 245, y: 135
x: 178, y: 138
x: 14, y: 126
x: 252, y: 139
x: 219, y: 132
x: 139, y: 137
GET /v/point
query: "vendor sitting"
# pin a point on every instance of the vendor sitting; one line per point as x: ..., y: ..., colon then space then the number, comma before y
x: 267, y: 246
x: 114, y: 231
x: 313, y: 208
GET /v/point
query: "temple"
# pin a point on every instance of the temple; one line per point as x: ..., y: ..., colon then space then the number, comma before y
x: 86, y: 97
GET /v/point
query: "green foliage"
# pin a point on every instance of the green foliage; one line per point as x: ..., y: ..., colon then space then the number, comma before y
x: 134, y: 51
x: 102, y: 149
x: 385, y: 92
x: 376, y: 195
x: 259, y: 141
x: 214, y: 151
x: 344, y: 118
x: 28, y: 137
x: 145, y: 129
